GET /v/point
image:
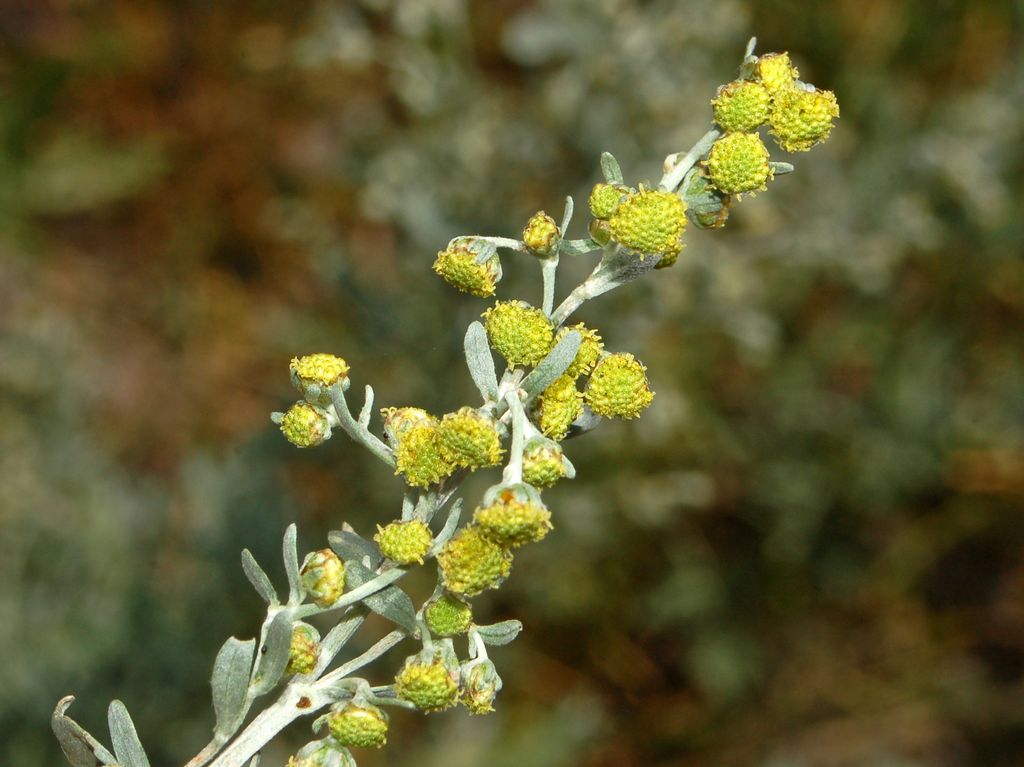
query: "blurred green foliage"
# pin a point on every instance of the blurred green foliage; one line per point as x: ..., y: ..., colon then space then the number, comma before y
x: 809, y: 552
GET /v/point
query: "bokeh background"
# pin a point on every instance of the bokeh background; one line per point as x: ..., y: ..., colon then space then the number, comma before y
x: 808, y: 553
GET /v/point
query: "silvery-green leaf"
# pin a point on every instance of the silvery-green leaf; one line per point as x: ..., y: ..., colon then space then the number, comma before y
x: 480, y: 361
x: 273, y: 656
x: 781, y: 168
x: 566, y: 216
x: 338, y: 636
x: 390, y: 602
x: 80, y: 748
x: 230, y: 681
x: 127, y: 748
x: 291, y: 564
x: 552, y: 366
x: 351, y: 546
x: 450, y: 526
x: 255, y: 761
x: 499, y: 633
x: 258, y: 578
x: 610, y: 168
x: 578, y: 247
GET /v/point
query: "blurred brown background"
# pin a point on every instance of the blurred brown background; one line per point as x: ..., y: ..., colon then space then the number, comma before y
x: 809, y: 552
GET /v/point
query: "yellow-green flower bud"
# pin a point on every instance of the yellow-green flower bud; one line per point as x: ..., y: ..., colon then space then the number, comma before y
x: 618, y: 387
x: 470, y: 439
x: 315, y: 373
x: 398, y: 420
x: 470, y: 563
x: 589, y: 351
x: 363, y: 726
x: 802, y: 118
x: 305, y: 648
x: 418, y: 456
x: 472, y: 272
x: 512, y: 519
x: 323, y: 577
x: 521, y: 334
x: 775, y: 71
x: 480, y: 686
x: 741, y: 105
x: 600, y: 232
x: 429, y: 685
x: 558, y: 406
x: 306, y: 425
x: 541, y: 235
x: 404, y: 542
x: 738, y: 162
x: 650, y: 222
x: 448, y: 616
x: 605, y: 198
x: 543, y: 464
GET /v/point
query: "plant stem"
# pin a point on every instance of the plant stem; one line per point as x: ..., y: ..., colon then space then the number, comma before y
x: 674, y: 176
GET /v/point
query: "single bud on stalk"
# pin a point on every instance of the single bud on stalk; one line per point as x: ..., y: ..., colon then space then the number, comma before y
x: 558, y: 406
x: 314, y: 374
x: 541, y: 235
x: 520, y: 333
x: 448, y: 616
x: 431, y: 685
x: 404, y: 542
x: 418, y: 457
x: 605, y: 198
x: 480, y: 685
x: 741, y: 106
x: 543, y: 464
x: 468, y: 438
x: 776, y: 72
x: 398, y: 421
x: 305, y: 648
x: 618, y: 387
x: 738, y: 162
x: 470, y: 562
x: 471, y: 271
x: 306, y: 425
x: 365, y: 726
x: 513, y: 515
x: 650, y: 222
x: 802, y: 118
x: 323, y: 577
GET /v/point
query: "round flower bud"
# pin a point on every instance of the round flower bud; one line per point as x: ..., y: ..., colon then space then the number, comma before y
x: 618, y: 387
x: 470, y: 563
x: 558, y: 406
x: 315, y: 373
x: 542, y: 463
x: 480, y: 684
x: 304, y: 649
x: 511, y: 522
x: 600, y: 232
x: 306, y: 425
x: 418, y: 456
x: 605, y: 198
x: 521, y: 333
x: 354, y: 725
x: 650, y: 222
x: 404, y: 542
x: 448, y: 616
x: 322, y: 753
x: 589, y: 351
x: 323, y: 577
x: 398, y: 420
x: 431, y: 686
x: 741, y: 106
x: 470, y: 439
x: 738, y: 162
x: 775, y: 71
x: 802, y: 118
x: 467, y: 270
x: 541, y: 235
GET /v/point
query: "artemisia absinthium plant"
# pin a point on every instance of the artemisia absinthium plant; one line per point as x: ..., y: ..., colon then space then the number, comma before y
x: 559, y: 382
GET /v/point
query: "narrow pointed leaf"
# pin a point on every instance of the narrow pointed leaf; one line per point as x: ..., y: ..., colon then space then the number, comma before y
x: 258, y: 578
x: 498, y: 634
x: 290, y: 553
x: 273, y: 655
x: 80, y: 748
x: 351, y: 546
x: 127, y: 748
x: 480, y: 361
x: 450, y: 526
x: 566, y: 216
x: 610, y: 168
x: 230, y: 681
x: 552, y: 366
x: 390, y: 602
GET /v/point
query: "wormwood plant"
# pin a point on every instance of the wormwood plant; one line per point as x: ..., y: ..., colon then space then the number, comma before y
x: 559, y: 382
